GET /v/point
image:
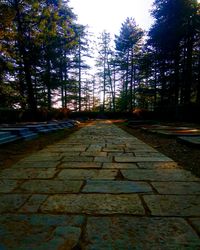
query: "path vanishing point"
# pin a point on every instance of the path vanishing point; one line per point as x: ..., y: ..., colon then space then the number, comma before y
x: 99, y: 189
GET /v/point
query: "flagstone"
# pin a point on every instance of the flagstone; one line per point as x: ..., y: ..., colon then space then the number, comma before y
x: 116, y: 187
x: 79, y: 165
x: 84, y: 174
x: 28, y: 173
x: 120, y: 165
x: 39, y: 219
x: 114, y: 149
x: 93, y: 153
x: 120, y: 154
x: 95, y: 147
x: 141, y: 159
x: 159, y: 175
x: 50, y: 186
x: 173, y: 205
x: 177, y: 187
x: 78, y: 159
x: 39, y: 232
x: 103, y: 159
x: 7, y: 186
x: 139, y: 233
x: 11, y: 202
x: 94, y: 204
x: 33, y: 203
x: 100, y: 188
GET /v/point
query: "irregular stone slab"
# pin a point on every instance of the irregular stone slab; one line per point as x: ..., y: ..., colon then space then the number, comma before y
x: 103, y: 159
x: 50, y: 186
x: 95, y: 147
x: 173, y: 205
x: 94, y: 204
x: 11, y: 202
x: 33, y: 204
x: 23, y: 233
x: 116, y: 143
x: 7, y: 186
x: 120, y: 165
x: 85, y: 174
x: 94, y: 153
x: 159, y: 175
x: 141, y: 159
x: 28, y: 173
x: 116, y: 187
x: 177, y: 187
x: 78, y: 159
x: 158, y: 165
x: 89, y: 165
x: 121, y: 154
x: 40, y: 219
x: 114, y: 149
x: 196, y: 224
x: 139, y: 233
x: 35, y: 164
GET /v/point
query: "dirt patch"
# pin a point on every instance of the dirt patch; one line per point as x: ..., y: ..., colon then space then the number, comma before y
x: 15, y: 151
x: 187, y: 157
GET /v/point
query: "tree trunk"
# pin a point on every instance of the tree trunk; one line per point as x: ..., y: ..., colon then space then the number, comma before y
x: 188, y: 75
x: 26, y: 63
x: 79, y: 77
x: 176, y: 76
x: 198, y: 83
x: 48, y: 83
x: 132, y: 79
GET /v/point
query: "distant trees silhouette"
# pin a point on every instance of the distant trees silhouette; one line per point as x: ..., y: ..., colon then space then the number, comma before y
x: 43, y: 55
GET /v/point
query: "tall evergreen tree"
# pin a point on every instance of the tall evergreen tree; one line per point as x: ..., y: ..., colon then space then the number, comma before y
x: 173, y: 36
x: 126, y: 45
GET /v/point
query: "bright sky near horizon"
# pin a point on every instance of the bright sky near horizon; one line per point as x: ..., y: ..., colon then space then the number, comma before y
x: 108, y: 15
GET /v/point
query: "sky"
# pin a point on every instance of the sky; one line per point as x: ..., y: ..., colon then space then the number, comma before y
x: 108, y: 15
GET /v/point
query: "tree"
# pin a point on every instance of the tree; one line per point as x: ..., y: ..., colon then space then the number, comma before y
x: 37, y: 38
x: 173, y: 37
x: 127, y: 46
x: 104, y: 63
x: 82, y: 53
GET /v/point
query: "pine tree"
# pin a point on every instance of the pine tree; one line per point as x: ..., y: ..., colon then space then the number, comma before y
x: 127, y: 45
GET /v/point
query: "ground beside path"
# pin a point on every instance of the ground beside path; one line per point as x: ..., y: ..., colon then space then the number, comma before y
x: 100, y: 188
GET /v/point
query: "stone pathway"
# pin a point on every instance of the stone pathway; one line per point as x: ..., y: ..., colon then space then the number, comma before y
x: 99, y: 189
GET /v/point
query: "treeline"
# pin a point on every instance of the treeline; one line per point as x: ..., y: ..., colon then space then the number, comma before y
x: 41, y: 48
x: 158, y: 69
x: 44, y: 51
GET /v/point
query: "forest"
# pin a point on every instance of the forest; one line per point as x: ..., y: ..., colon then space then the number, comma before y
x: 45, y: 54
